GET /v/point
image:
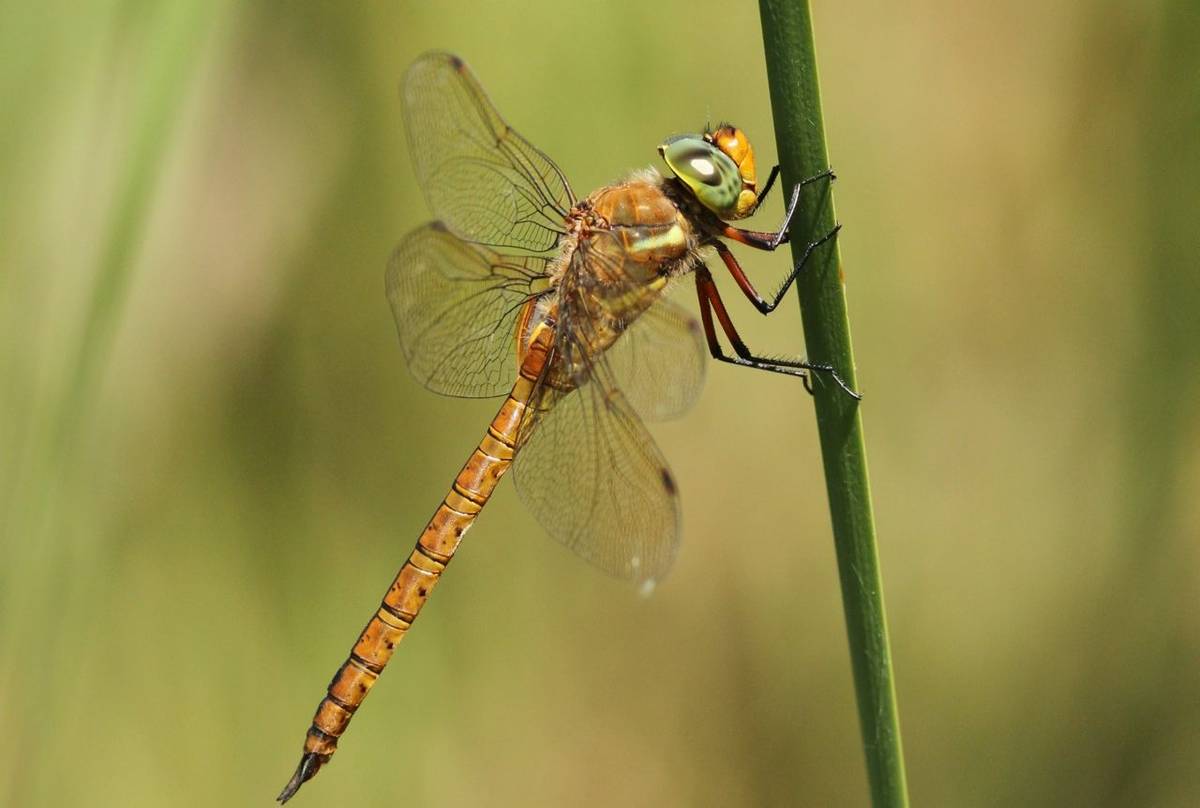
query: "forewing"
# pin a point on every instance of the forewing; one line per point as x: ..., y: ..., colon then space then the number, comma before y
x: 660, y: 360
x: 486, y: 182
x: 456, y: 306
x: 594, y: 478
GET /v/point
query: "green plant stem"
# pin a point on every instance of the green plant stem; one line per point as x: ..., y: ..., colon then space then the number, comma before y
x: 800, y: 134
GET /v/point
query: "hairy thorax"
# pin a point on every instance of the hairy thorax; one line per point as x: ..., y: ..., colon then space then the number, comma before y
x: 632, y: 231
x: 625, y: 243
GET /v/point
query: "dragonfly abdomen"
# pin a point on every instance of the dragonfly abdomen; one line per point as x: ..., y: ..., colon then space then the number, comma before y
x: 411, y: 588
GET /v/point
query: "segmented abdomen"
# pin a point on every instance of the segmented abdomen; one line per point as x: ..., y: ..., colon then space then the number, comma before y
x: 421, y: 572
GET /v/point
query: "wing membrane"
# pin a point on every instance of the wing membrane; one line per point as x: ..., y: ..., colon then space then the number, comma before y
x: 486, y: 182
x: 660, y: 361
x: 655, y: 349
x: 456, y: 306
x: 596, y: 481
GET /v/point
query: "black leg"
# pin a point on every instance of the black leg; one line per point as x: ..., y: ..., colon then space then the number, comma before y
x: 761, y: 303
x: 767, y: 187
x: 771, y: 240
x: 781, y: 235
x: 710, y: 302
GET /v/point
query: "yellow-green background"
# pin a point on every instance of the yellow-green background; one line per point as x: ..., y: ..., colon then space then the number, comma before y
x: 213, y: 459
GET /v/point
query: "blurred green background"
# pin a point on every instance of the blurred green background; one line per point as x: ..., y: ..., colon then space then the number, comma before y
x: 213, y: 459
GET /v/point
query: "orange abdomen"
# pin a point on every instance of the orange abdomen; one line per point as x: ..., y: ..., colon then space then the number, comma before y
x: 435, y: 548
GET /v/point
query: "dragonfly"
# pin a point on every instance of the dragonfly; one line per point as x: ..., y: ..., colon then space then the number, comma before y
x: 521, y: 289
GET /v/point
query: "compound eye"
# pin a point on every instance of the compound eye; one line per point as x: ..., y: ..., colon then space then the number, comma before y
x: 703, y: 169
x: 710, y: 174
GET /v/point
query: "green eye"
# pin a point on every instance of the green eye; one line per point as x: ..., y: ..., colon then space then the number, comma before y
x: 710, y: 174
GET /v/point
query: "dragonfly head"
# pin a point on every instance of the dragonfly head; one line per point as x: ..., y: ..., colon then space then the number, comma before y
x: 718, y: 168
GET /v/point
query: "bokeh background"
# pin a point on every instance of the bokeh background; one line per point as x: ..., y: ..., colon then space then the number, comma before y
x: 213, y: 459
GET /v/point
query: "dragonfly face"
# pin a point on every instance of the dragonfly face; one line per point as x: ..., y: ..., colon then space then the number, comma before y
x: 718, y: 167
x: 520, y: 289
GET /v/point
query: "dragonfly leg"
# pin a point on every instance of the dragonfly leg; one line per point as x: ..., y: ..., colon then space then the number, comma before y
x: 710, y: 303
x: 767, y: 186
x: 771, y: 240
x: 761, y: 303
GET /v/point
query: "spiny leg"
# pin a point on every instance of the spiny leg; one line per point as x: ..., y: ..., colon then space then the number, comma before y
x: 761, y: 303
x: 771, y: 240
x: 710, y: 301
x: 770, y: 183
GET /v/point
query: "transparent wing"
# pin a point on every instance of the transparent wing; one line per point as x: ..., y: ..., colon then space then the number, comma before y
x: 456, y: 306
x: 655, y: 349
x: 594, y: 478
x: 486, y: 182
x: 659, y: 361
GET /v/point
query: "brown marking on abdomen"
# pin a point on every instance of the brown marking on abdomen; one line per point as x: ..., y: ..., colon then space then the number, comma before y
x: 415, y: 581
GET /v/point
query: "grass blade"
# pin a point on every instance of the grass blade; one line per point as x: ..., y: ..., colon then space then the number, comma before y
x: 800, y: 134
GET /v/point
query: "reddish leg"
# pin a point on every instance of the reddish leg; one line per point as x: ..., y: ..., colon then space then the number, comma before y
x: 770, y: 241
x: 761, y: 303
x: 710, y: 302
